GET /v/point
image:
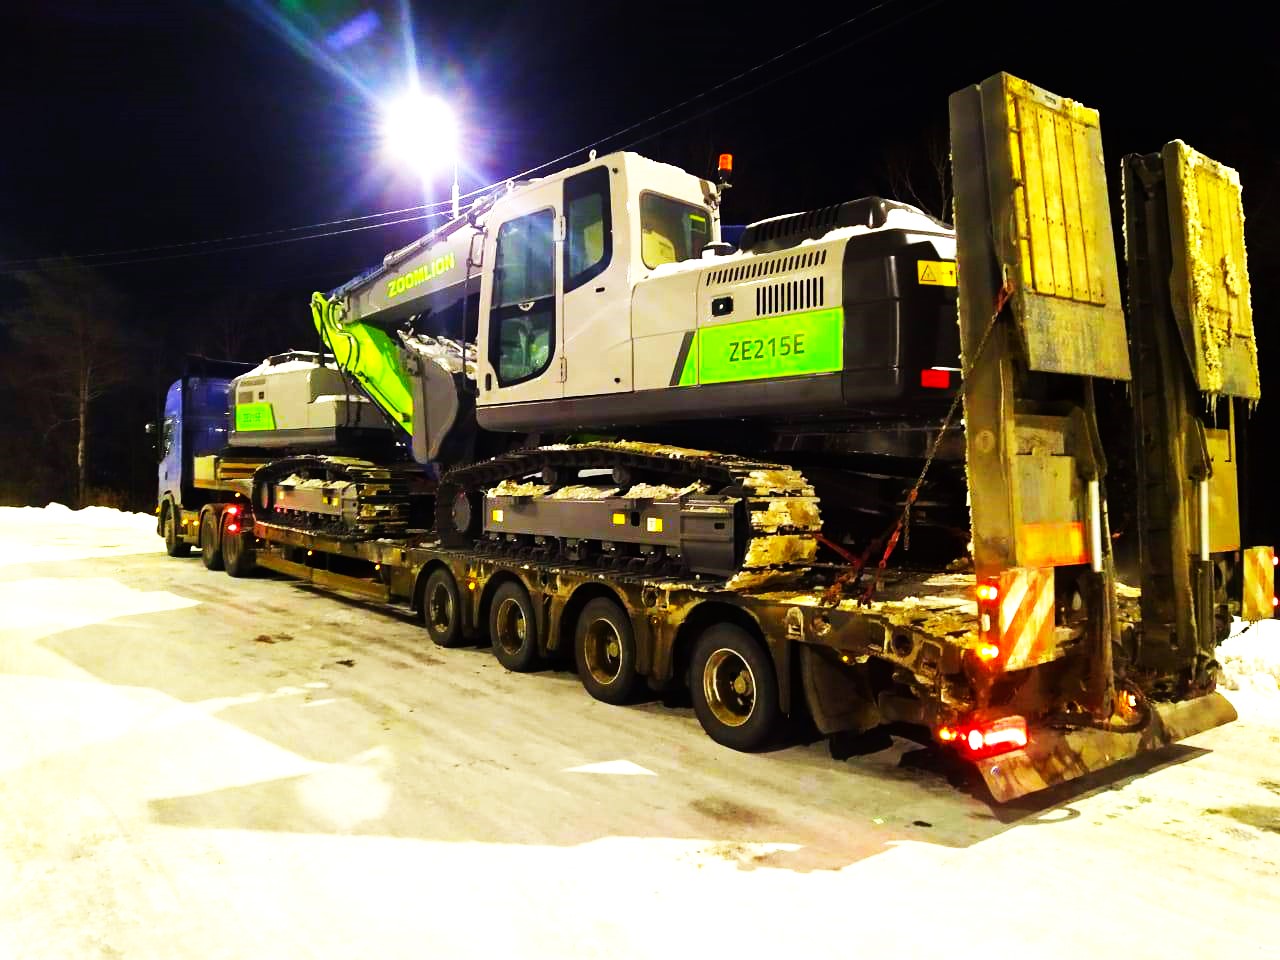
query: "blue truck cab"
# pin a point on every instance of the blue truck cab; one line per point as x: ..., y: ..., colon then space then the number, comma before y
x: 195, y: 423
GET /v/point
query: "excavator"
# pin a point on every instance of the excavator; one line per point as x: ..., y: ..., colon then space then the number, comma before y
x: 812, y: 365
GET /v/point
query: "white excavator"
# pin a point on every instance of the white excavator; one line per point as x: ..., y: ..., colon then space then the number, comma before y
x: 765, y: 393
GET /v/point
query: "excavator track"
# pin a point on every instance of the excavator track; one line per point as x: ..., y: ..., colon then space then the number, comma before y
x: 642, y: 505
x: 338, y: 496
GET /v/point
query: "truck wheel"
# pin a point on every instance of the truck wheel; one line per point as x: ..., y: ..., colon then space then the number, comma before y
x: 174, y: 545
x: 442, y: 609
x: 237, y: 554
x: 605, y: 648
x: 210, y: 548
x: 734, y: 689
x: 513, y: 630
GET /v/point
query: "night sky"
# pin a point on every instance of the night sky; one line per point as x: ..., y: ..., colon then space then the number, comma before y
x: 133, y: 125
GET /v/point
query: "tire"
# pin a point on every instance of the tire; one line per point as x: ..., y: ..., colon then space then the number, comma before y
x: 734, y: 688
x: 513, y: 630
x: 210, y: 543
x: 174, y: 546
x: 442, y: 609
x: 237, y: 554
x: 604, y: 647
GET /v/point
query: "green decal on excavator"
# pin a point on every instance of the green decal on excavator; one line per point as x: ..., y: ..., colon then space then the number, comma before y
x: 791, y: 345
x: 369, y: 355
x: 255, y: 416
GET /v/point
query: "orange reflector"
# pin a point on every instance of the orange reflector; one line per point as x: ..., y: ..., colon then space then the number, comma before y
x: 947, y: 734
x: 725, y: 163
x: 988, y: 592
x: 1051, y: 544
x: 988, y: 651
x: 471, y: 584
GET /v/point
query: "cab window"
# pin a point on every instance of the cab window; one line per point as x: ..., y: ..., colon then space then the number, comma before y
x: 524, y: 303
x: 671, y: 230
x: 588, y: 237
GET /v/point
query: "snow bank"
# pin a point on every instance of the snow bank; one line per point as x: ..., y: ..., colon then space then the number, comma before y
x: 97, y: 517
x: 1250, y: 657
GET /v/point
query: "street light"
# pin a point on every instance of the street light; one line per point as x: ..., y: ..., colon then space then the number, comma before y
x: 421, y: 132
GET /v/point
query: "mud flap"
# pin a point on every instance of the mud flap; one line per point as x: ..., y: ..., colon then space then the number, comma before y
x: 1056, y: 756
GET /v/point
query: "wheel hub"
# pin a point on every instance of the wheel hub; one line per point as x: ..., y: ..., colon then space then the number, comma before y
x: 729, y: 688
x: 441, y: 607
x: 511, y: 626
x: 603, y: 651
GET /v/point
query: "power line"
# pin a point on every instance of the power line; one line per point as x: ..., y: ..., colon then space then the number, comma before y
x: 35, y: 261
x: 791, y: 72
x: 724, y: 83
x: 15, y: 266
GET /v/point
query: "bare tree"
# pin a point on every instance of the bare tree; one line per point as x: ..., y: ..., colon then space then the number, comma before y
x: 919, y: 172
x: 75, y: 347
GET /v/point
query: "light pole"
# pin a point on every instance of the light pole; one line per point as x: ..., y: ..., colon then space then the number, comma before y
x: 421, y: 132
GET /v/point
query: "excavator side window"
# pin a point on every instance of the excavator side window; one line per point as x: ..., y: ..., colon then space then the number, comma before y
x: 670, y: 230
x: 524, y: 303
x: 589, y: 238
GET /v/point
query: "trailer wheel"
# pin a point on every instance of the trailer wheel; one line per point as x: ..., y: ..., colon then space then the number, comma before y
x: 210, y: 548
x: 513, y: 628
x: 174, y: 545
x: 605, y: 649
x: 237, y: 554
x: 442, y: 609
x: 734, y: 688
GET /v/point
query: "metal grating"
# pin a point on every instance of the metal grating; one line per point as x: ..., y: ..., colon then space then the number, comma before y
x: 765, y: 268
x: 790, y: 296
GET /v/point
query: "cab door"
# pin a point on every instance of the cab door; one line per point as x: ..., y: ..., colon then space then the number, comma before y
x: 596, y: 307
x: 523, y: 343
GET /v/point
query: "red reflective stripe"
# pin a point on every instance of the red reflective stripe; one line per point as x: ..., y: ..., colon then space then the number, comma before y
x: 1025, y: 629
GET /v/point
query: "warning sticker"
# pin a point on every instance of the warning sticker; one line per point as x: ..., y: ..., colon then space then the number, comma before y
x: 937, y: 273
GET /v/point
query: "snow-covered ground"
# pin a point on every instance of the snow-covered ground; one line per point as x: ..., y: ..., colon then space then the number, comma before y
x: 56, y: 532
x: 1250, y: 660
x: 194, y: 767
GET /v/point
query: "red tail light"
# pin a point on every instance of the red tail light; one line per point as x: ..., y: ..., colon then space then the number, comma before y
x: 232, y: 510
x: 988, y: 739
x: 233, y: 528
x: 935, y: 379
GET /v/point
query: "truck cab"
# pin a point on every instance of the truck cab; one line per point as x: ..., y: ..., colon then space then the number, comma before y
x: 196, y: 422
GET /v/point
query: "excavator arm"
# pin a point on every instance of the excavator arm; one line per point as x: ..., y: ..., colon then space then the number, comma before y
x: 369, y: 355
